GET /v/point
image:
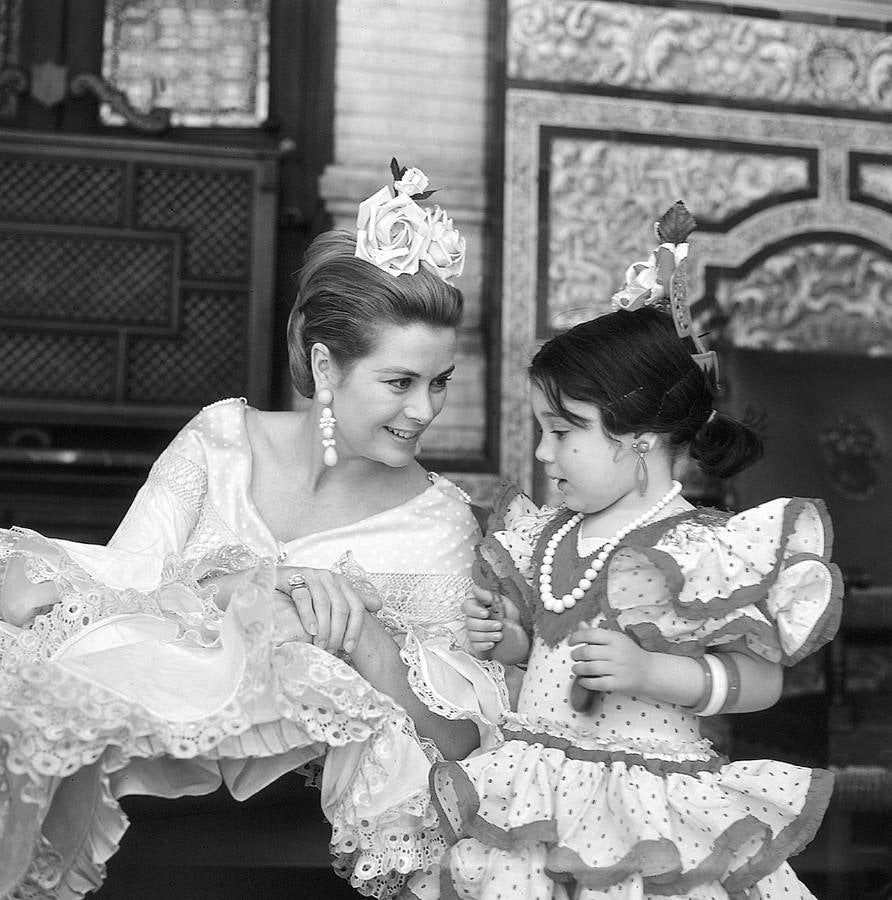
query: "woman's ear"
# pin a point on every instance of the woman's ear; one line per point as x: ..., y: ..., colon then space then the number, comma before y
x: 321, y: 365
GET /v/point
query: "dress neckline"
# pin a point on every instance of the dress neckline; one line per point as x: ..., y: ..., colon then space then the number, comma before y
x: 283, y: 546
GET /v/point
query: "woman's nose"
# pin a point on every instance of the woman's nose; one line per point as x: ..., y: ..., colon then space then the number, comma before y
x: 420, y: 408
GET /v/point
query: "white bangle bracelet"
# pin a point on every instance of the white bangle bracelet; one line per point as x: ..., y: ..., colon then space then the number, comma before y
x: 719, y: 693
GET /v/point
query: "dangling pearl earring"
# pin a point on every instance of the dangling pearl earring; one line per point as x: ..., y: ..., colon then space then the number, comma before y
x: 327, y: 422
x: 641, y: 448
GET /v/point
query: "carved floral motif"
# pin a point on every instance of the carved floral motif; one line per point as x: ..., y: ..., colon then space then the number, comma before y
x: 700, y: 52
x: 599, y: 223
x: 823, y: 296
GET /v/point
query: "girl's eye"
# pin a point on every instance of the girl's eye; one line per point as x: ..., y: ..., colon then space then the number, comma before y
x: 401, y: 384
x: 559, y: 434
x: 441, y: 382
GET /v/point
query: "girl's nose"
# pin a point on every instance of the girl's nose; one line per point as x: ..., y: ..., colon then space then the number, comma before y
x: 543, y: 453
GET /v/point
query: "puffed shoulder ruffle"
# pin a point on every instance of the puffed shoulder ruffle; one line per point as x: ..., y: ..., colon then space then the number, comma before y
x: 759, y: 581
x: 503, y: 561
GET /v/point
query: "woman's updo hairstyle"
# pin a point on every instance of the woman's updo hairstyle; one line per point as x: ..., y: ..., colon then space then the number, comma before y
x: 342, y: 301
x: 633, y: 366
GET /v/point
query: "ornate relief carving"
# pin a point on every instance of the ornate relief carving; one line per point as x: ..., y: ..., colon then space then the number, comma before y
x: 604, y: 194
x: 875, y: 181
x: 822, y: 296
x: 852, y: 457
x: 700, y: 52
x: 528, y: 111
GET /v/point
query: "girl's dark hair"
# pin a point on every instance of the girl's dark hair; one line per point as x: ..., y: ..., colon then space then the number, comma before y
x: 342, y: 301
x: 640, y: 374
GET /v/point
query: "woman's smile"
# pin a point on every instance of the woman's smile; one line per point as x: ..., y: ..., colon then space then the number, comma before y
x: 402, y: 434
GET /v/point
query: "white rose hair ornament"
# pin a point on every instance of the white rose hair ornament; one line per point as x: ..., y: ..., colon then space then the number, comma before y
x: 661, y: 281
x: 396, y: 234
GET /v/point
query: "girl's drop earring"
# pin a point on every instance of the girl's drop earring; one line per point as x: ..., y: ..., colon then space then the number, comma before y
x: 327, y: 422
x: 641, y: 448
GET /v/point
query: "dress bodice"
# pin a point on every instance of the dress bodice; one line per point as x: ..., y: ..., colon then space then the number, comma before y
x: 545, y: 700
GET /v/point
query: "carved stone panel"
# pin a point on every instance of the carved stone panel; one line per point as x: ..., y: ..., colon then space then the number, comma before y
x: 816, y: 295
x: 586, y: 175
x: 740, y: 57
x: 597, y: 226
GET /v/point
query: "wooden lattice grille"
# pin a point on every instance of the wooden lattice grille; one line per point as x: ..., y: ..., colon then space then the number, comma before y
x: 132, y: 280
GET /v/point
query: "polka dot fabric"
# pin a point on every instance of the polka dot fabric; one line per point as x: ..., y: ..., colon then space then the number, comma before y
x: 627, y: 800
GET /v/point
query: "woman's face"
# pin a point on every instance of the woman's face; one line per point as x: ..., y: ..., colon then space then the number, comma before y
x: 387, y: 399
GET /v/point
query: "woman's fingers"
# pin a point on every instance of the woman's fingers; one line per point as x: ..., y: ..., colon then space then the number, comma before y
x: 303, y: 603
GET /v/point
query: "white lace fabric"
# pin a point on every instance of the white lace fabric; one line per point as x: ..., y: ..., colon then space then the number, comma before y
x: 195, y: 513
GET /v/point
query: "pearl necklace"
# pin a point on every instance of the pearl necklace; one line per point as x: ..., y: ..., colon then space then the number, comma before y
x: 558, y: 605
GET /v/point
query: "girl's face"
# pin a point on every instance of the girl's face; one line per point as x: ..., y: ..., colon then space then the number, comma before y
x: 387, y: 399
x: 592, y: 471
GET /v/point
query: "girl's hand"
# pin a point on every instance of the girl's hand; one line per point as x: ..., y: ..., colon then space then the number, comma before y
x: 330, y: 610
x: 610, y: 661
x: 494, y: 629
x: 484, y: 611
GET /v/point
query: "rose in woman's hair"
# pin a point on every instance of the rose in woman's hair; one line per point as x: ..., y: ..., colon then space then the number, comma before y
x: 392, y: 232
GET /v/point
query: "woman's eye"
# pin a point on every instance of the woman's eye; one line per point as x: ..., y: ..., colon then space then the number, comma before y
x: 441, y: 382
x: 559, y: 434
x: 401, y: 384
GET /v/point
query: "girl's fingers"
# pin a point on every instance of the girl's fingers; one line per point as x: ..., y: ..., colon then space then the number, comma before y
x: 482, y: 647
x: 597, y: 669
x: 472, y: 608
x: 482, y: 594
x: 483, y: 624
x: 484, y: 637
x: 592, y: 636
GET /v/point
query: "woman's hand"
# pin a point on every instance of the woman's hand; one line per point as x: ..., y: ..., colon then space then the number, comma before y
x: 609, y: 661
x: 330, y: 610
x: 493, y: 624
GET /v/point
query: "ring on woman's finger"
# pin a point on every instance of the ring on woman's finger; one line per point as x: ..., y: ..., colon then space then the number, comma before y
x: 297, y: 581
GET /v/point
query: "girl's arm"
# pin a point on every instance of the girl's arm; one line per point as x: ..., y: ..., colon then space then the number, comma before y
x: 377, y: 659
x: 612, y: 661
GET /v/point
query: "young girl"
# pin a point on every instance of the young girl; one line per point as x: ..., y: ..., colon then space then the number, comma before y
x: 604, y: 786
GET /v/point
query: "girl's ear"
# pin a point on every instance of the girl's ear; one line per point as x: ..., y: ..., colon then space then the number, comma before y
x: 322, y: 366
x: 653, y: 440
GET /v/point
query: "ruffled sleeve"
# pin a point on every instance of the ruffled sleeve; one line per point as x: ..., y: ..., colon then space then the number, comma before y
x: 760, y: 581
x: 504, y: 557
x: 166, y: 508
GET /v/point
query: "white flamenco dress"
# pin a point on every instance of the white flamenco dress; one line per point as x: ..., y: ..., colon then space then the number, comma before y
x: 626, y: 800
x: 135, y: 683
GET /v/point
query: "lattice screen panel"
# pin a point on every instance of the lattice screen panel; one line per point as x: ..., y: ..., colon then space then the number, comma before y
x: 134, y: 277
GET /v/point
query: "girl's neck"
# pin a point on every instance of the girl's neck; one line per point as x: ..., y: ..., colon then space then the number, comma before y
x: 604, y: 523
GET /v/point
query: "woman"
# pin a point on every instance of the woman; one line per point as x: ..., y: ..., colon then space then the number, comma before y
x: 169, y: 667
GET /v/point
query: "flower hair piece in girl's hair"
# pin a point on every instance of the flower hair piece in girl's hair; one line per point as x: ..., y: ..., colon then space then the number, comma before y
x: 661, y: 281
x: 397, y: 235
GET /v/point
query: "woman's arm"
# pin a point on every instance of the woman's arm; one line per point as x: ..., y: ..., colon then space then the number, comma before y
x: 20, y: 598
x: 377, y: 658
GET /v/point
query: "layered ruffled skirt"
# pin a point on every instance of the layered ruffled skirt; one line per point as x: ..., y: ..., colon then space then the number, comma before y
x: 541, y: 817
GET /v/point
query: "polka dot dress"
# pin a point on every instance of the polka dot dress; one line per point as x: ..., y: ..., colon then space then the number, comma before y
x: 626, y: 800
